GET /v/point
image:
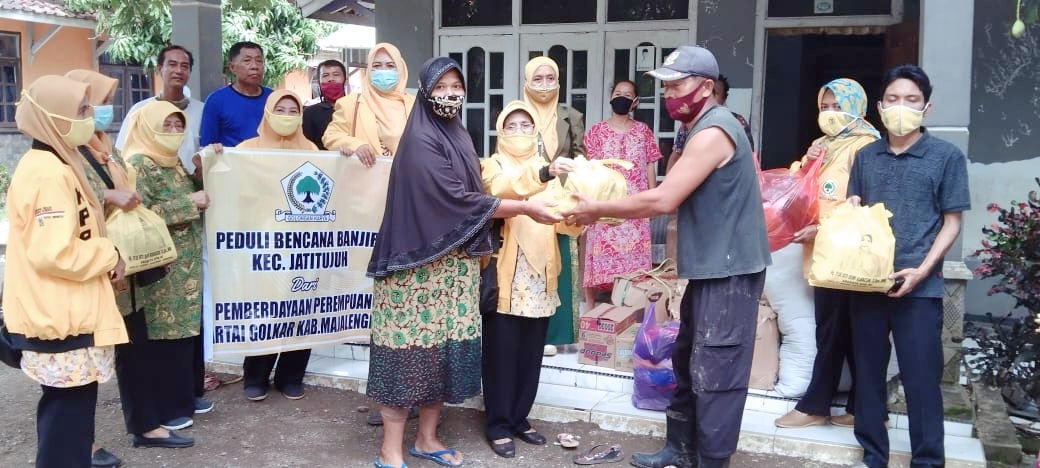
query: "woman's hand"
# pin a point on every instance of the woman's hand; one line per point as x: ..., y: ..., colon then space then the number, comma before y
x: 583, y: 213
x: 125, y: 200
x: 561, y: 166
x: 118, y: 273
x: 540, y: 211
x: 816, y: 151
x: 806, y: 234
x: 196, y: 158
x: 364, y: 153
x: 200, y: 199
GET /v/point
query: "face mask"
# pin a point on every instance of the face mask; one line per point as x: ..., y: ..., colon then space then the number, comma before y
x: 621, y: 105
x: 446, y: 106
x: 832, y: 123
x: 517, y: 144
x: 284, y: 125
x: 103, y: 116
x: 331, y: 91
x: 171, y: 142
x: 79, y: 132
x: 383, y: 80
x: 544, y: 94
x: 686, y: 108
x: 901, y: 120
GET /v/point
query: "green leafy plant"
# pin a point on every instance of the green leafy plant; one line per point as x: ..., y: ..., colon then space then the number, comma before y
x: 1011, y: 252
x: 139, y: 29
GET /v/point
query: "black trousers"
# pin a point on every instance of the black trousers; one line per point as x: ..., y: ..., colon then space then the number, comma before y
x: 156, y: 377
x: 512, y: 361
x: 292, y: 365
x: 833, y: 348
x: 65, y: 426
x: 916, y: 327
x: 712, y: 359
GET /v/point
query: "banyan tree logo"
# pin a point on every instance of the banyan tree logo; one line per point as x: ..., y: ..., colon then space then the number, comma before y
x: 307, y: 190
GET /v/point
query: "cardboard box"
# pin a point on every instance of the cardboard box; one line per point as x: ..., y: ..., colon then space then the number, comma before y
x: 598, y: 330
x: 623, y: 349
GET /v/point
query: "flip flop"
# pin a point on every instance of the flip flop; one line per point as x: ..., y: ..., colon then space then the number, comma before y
x: 434, y: 456
x: 566, y: 440
x: 596, y: 456
x: 380, y: 464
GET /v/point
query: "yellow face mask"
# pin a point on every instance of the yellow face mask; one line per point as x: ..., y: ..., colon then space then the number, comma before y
x: 284, y: 125
x: 900, y: 120
x: 832, y: 123
x: 80, y: 130
x: 171, y: 142
x: 517, y: 145
x: 546, y: 94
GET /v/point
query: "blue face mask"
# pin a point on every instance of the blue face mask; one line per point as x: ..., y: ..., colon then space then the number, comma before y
x: 384, y: 80
x: 103, y: 116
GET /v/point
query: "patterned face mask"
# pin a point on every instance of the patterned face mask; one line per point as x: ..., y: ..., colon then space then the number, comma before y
x: 446, y: 107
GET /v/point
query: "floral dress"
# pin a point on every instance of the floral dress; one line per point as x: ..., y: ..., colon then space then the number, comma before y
x: 426, y: 333
x: 172, y: 305
x: 623, y: 248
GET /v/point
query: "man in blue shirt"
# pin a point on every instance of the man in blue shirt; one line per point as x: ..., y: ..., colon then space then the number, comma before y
x: 233, y: 113
x: 923, y: 181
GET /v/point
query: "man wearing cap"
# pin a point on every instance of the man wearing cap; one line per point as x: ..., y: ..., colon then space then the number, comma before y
x: 722, y: 251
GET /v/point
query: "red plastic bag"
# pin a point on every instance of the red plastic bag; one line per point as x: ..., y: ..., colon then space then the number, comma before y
x: 790, y: 201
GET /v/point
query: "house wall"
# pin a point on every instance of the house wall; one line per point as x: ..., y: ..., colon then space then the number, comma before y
x: 1004, y: 148
x: 70, y: 48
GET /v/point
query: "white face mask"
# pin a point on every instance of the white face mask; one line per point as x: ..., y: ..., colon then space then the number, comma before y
x: 901, y: 120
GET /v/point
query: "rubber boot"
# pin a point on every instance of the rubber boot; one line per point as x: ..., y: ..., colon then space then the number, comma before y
x: 678, y: 450
x: 704, y: 462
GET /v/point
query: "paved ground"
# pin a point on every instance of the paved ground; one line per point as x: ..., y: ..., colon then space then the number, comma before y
x: 325, y: 429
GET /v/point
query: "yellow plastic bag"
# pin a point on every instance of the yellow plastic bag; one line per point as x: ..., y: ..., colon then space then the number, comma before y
x: 854, y: 250
x: 595, y: 180
x: 142, y: 238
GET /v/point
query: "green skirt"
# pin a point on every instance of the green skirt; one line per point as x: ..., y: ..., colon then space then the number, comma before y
x: 563, y: 324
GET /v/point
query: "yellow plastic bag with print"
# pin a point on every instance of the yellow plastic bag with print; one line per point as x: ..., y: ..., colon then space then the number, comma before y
x: 142, y: 238
x: 594, y: 179
x: 854, y: 250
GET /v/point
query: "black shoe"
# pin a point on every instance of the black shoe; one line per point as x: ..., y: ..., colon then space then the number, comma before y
x: 255, y: 393
x: 678, y: 448
x: 533, y: 438
x: 293, y: 391
x: 103, y: 459
x: 173, y: 441
x: 713, y: 462
x: 505, y: 449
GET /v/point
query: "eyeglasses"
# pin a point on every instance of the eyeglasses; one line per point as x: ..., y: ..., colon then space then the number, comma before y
x: 521, y: 127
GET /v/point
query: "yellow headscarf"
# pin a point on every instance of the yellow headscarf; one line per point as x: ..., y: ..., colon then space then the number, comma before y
x: 269, y: 139
x: 144, y: 125
x: 60, y: 96
x: 389, y: 108
x: 100, y: 145
x: 545, y: 112
x: 535, y: 240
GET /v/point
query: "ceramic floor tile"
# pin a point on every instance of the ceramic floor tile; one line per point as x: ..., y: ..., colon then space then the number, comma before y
x: 766, y: 405
x: 611, y: 384
x: 339, y: 367
x: 236, y: 360
x: 901, y: 421
x: 568, y: 396
x: 758, y: 422
x: 965, y: 449
x: 323, y: 351
x: 957, y: 429
x: 566, y: 361
x: 585, y: 380
x: 621, y: 403
x: 343, y: 352
x: 826, y: 434
x: 558, y: 377
x: 598, y: 369
x: 899, y: 440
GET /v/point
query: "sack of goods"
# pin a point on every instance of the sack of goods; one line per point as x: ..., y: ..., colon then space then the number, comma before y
x: 142, y: 238
x: 854, y: 250
x: 593, y: 179
x: 789, y: 201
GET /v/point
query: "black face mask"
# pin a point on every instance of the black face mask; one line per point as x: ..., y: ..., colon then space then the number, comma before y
x: 621, y: 105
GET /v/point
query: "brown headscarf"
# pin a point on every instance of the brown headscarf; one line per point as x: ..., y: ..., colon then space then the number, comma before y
x: 267, y: 138
x: 389, y: 108
x: 53, y: 94
x: 144, y: 125
x: 100, y: 145
x: 545, y: 112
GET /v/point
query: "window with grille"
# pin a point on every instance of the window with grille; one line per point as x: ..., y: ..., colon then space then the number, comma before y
x: 10, y: 77
x: 135, y: 85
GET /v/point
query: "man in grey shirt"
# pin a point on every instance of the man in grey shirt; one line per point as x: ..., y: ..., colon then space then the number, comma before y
x: 723, y: 251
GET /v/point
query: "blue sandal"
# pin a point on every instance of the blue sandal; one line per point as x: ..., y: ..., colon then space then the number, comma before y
x: 380, y: 464
x: 434, y: 456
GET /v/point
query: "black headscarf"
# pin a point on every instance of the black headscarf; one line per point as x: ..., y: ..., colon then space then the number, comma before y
x: 436, y: 201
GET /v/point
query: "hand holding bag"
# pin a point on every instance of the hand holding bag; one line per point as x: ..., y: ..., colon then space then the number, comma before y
x: 142, y: 238
x: 854, y: 250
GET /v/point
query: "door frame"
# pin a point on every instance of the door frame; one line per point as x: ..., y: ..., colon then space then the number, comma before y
x: 592, y: 42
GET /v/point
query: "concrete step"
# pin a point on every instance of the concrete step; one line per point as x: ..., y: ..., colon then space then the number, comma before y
x: 571, y: 392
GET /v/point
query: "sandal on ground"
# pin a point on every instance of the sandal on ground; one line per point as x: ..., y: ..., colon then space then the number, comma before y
x: 597, y: 454
x: 210, y: 382
x: 436, y: 457
x: 380, y: 464
x: 566, y: 440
